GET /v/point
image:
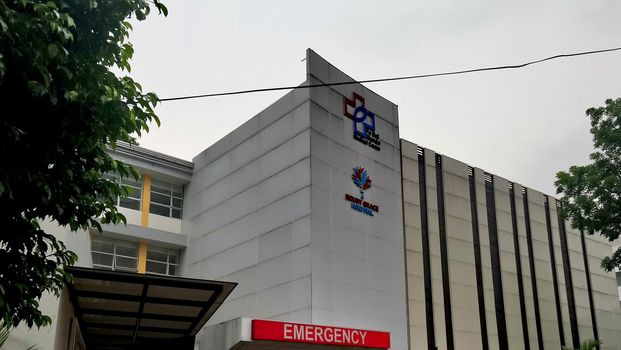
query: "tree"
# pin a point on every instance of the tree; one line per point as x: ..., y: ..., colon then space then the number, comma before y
x: 62, y: 107
x: 592, y: 193
x: 588, y: 344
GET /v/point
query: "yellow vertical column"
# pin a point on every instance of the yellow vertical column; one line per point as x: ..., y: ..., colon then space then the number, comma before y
x: 146, y: 200
x: 144, y: 209
x: 142, y: 257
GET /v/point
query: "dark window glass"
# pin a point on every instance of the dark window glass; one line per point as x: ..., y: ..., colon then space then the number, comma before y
x: 133, y: 192
x: 129, y: 203
x: 160, y: 199
x: 126, y: 250
x: 101, y: 259
x: 102, y: 246
x: 166, y: 195
x: 159, y: 210
x: 160, y: 187
x: 156, y: 256
x: 134, y: 188
x: 114, y: 254
x: 162, y: 260
x: 177, y: 202
x: 126, y: 263
x: 131, y: 182
x: 156, y: 267
x: 172, y: 258
x: 177, y: 191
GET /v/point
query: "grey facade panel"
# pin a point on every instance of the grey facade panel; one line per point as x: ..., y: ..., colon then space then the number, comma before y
x: 446, y: 285
x: 501, y: 325
x: 575, y: 337
x: 431, y: 343
x: 555, y: 282
x: 516, y: 254
x: 518, y: 263
x: 162, y: 238
x: 477, y: 256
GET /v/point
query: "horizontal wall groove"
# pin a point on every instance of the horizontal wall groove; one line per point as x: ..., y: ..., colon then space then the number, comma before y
x: 261, y: 128
x: 250, y: 187
x: 298, y: 190
x: 256, y: 159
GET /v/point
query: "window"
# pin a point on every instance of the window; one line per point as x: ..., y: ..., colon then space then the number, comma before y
x: 162, y: 261
x: 111, y: 254
x: 132, y: 201
x: 166, y: 199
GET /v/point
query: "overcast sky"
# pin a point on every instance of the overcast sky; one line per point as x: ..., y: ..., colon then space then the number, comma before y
x: 524, y: 125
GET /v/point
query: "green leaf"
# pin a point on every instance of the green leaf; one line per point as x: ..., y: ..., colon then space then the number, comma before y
x: 140, y: 15
x: 81, y: 106
x: 52, y: 50
x: 67, y: 72
x: 3, y: 25
x: 40, y: 7
x: 71, y: 95
x: 67, y: 35
x: 161, y: 8
x: 591, y: 193
x: 70, y: 22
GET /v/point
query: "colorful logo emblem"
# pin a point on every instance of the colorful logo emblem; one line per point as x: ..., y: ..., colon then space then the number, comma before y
x: 364, y: 121
x: 361, y: 179
x: 363, y: 182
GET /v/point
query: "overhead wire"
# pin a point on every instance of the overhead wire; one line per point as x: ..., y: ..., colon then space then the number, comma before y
x: 408, y: 77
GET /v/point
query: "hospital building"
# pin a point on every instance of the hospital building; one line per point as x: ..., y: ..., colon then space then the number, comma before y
x: 314, y: 226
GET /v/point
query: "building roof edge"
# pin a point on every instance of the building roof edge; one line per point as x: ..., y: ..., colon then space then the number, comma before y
x: 154, y: 157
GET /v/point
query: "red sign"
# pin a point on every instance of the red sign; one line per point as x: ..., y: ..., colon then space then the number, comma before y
x: 310, y: 333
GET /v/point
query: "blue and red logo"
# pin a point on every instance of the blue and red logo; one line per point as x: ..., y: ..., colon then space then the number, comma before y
x: 361, y: 179
x: 363, y: 182
x: 364, y: 121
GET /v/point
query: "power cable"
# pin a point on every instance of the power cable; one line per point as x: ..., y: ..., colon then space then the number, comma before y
x: 522, y: 65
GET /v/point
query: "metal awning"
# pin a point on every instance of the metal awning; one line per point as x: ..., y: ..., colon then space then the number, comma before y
x: 121, y: 310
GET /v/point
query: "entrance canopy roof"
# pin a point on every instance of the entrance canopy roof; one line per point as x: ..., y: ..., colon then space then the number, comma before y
x: 121, y: 310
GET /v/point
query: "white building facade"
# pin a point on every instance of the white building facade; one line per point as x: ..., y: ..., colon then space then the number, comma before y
x: 322, y: 215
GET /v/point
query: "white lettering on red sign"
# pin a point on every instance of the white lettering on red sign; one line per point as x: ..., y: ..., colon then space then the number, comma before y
x: 316, y: 334
x: 309, y: 333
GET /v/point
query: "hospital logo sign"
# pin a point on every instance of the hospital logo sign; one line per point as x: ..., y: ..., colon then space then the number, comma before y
x: 363, y: 121
x: 362, y: 180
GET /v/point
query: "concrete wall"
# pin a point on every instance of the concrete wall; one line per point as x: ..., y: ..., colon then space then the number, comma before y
x: 64, y: 322
x: 461, y: 265
x: 247, y: 214
x: 604, y: 294
x: 358, y: 273
x: 266, y: 208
